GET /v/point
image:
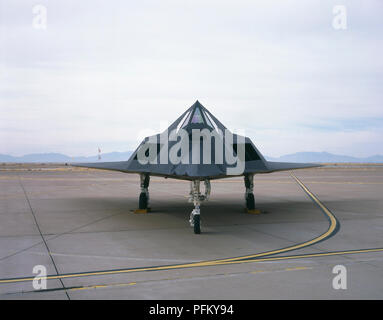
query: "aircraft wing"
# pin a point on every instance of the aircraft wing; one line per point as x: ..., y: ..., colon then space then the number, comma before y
x: 281, y: 166
x: 122, y: 166
x: 115, y: 165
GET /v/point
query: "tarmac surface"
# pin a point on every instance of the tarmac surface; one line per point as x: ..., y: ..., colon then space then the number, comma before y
x: 79, y: 224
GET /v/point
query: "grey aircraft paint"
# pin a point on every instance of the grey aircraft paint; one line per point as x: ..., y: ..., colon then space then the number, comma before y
x: 198, y: 117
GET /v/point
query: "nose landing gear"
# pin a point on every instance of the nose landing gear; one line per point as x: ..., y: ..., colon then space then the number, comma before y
x: 195, y: 221
x: 196, y: 197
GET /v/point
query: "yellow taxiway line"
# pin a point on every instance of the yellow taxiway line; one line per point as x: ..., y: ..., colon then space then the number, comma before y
x: 192, y: 265
x: 332, y: 229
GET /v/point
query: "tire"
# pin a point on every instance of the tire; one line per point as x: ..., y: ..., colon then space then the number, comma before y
x: 250, y: 202
x: 197, y: 224
x: 143, y: 202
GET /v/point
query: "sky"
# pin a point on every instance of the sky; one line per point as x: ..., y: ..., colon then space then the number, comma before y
x: 78, y: 75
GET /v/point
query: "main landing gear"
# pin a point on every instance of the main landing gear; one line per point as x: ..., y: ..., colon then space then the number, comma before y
x: 249, y: 195
x: 196, y: 197
x: 143, y: 203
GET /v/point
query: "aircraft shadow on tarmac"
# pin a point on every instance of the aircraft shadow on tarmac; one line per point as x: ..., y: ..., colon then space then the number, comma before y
x: 118, y: 210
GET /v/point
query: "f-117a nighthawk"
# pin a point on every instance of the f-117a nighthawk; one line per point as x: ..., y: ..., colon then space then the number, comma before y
x: 196, y: 147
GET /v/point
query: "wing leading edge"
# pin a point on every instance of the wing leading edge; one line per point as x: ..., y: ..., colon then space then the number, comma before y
x: 115, y: 165
x: 282, y: 166
x: 271, y: 166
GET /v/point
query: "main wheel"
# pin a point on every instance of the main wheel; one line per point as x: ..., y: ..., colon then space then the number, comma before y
x: 250, y: 202
x: 197, y: 224
x: 143, y: 202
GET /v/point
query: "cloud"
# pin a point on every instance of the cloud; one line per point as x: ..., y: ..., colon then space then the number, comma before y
x: 101, y: 72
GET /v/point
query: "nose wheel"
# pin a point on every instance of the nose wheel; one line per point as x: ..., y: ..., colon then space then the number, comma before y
x: 196, y: 197
x: 195, y: 221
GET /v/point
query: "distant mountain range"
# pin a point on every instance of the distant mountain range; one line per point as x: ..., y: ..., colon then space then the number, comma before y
x: 323, y: 157
x: 62, y: 158
x: 123, y: 156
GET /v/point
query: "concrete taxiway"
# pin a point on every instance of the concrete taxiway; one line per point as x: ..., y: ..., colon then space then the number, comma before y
x: 79, y: 224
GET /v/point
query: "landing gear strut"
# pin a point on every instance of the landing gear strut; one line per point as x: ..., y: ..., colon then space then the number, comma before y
x: 196, y: 197
x: 249, y: 195
x: 143, y: 202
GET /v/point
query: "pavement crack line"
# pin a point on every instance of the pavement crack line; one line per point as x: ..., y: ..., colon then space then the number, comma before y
x: 42, y: 237
x: 258, y: 257
x: 55, y: 236
x: 332, y: 229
